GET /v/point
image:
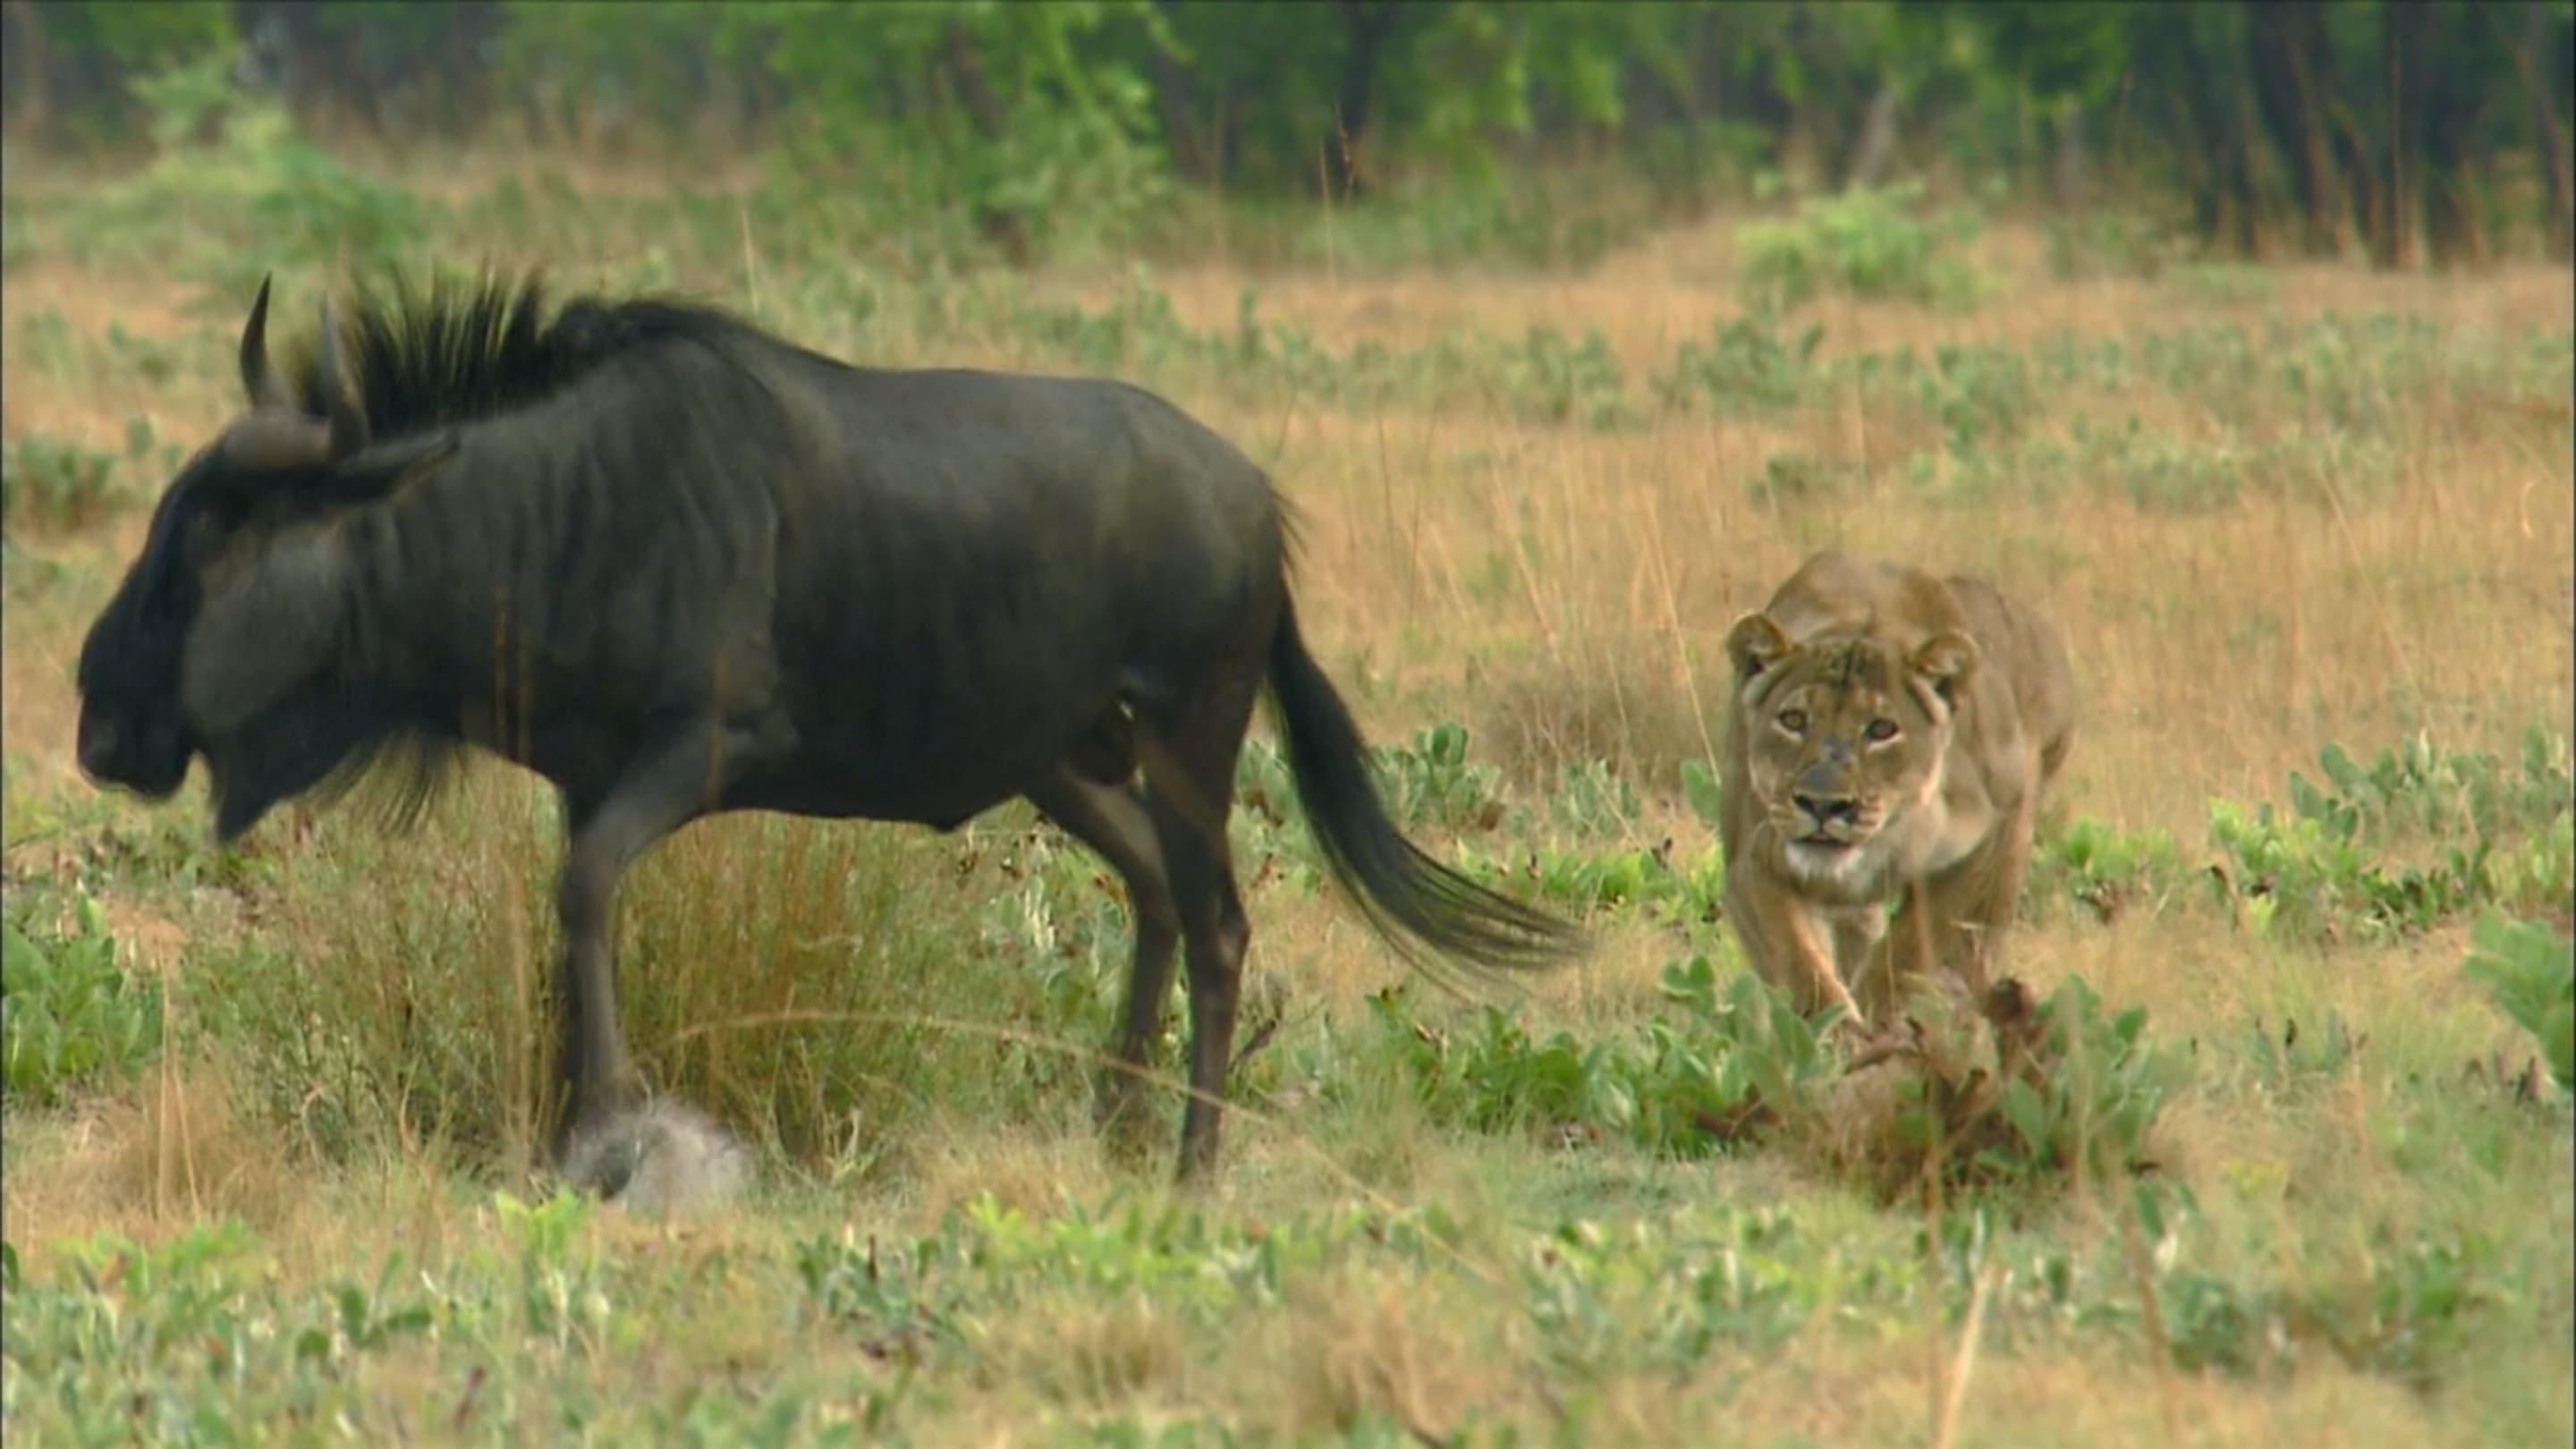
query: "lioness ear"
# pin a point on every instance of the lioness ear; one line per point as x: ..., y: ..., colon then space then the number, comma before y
x: 1947, y: 662
x: 1755, y: 644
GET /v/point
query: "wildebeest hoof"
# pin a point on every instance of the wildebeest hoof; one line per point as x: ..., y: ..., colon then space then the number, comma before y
x: 661, y: 1160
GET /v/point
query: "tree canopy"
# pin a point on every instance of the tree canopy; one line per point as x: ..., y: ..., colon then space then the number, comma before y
x: 2275, y: 124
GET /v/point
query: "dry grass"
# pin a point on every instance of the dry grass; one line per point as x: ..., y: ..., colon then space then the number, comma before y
x: 1563, y: 593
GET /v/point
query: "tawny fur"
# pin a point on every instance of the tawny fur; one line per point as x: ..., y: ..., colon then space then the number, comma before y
x: 1825, y: 824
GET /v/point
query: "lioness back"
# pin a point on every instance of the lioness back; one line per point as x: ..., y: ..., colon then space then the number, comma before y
x: 2033, y: 655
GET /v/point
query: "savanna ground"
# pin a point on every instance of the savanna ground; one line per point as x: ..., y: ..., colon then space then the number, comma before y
x: 270, y: 1113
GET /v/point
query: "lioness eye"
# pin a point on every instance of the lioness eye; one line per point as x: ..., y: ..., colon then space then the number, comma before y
x: 1882, y: 730
x: 1794, y: 721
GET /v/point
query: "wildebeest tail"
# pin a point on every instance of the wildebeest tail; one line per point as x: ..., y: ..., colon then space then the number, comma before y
x: 1406, y: 894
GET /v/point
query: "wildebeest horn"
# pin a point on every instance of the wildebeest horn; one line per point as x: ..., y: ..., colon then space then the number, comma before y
x: 257, y: 379
x: 348, y: 414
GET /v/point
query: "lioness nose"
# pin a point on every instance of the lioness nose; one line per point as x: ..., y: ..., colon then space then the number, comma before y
x: 1825, y: 810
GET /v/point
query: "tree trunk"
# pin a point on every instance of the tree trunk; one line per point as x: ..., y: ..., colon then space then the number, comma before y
x: 2286, y: 48
x: 23, y: 61
x: 2450, y: 98
x: 2218, y: 132
x: 1877, y: 140
x: 2404, y: 31
x: 1003, y: 226
x: 2066, y: 167
x: 2452, y: 226
x: 1176, y: 98
x: 2537, y: 61
x: 1365, y: 27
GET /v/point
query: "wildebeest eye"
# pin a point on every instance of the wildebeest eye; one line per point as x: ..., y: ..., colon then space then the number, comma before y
x: 1794, y: 721
x: 1882, y: 730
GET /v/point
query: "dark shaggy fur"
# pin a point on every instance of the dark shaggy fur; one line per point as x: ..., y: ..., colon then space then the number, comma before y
x: 677, y: 566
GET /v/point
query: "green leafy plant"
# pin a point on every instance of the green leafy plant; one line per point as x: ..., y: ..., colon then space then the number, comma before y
x: 69, y: 1017
x: 2103, y: 242
x: 2409, y: 1305
x: 1746, y: 365
x: 1719, y: 1066
x: 51, y: 486
x: 1701, y: 789
x: 2108, y: 870
x: 2067, y: 1088
x: 2530, y: 970
x: 1863, y: 242
x: 2325, y: 867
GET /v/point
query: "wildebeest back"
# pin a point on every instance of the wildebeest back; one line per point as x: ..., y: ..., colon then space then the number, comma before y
x: 641, y: 537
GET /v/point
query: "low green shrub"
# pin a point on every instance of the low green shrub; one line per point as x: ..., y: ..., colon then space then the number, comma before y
x: 50, y: 486
x: 2530, y: 971
x: 70, y: 1018
x: 1864, y: 243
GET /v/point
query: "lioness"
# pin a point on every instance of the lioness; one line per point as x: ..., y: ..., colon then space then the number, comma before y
x: 1890, y: 737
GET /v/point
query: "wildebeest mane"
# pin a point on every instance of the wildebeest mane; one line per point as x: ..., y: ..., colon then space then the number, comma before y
x: 427, y: 356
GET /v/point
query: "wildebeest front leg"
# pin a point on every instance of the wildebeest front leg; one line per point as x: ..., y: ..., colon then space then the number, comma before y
x: 669, y: 787
x: 1115, y: 821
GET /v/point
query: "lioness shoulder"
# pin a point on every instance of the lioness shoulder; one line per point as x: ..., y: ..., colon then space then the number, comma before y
x: 1888, y: 739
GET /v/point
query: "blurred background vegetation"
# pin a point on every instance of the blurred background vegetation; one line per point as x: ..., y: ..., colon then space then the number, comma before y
x: 2410, y: 133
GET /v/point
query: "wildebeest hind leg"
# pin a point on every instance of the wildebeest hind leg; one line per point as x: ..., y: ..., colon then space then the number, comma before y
x: 1115, y: 821
x: 667, y: 789
x: 1190, y: 769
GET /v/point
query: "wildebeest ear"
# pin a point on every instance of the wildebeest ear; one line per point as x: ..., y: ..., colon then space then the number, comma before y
x: 1947, y: 661
x: 387, y: 473
x: 1755, y: 644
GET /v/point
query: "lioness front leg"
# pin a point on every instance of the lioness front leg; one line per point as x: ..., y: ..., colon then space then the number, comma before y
x: 1954, y: 923
x: 1791, y: 949
x: 1867, y: 950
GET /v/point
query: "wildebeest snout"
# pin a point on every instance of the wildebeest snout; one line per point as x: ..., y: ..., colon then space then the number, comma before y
x: 151, y: 761
x: 98, y: 743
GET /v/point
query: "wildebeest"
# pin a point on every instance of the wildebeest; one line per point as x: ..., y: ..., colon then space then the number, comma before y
x: 678, y: 566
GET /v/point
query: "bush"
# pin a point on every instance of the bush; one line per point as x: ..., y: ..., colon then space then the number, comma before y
x: 259, y: 196
x: 2322, y: 868
x: 2069, y: 1091
x: 51, y: 486
x: 1862, y: 243
x: 69, y: 1018
x: 2099, y: 243
x: 2107, y: 869
x: 1717, y: 1068
x: 2531, y: 971
x: 1745, y: 366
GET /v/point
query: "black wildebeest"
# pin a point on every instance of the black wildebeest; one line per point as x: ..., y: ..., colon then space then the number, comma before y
x: 677, y: 566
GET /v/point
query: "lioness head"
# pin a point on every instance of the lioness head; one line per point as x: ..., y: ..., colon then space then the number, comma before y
x: 1843, y: 739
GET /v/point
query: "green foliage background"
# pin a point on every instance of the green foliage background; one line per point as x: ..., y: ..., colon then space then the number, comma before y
x: 2257, y: 126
